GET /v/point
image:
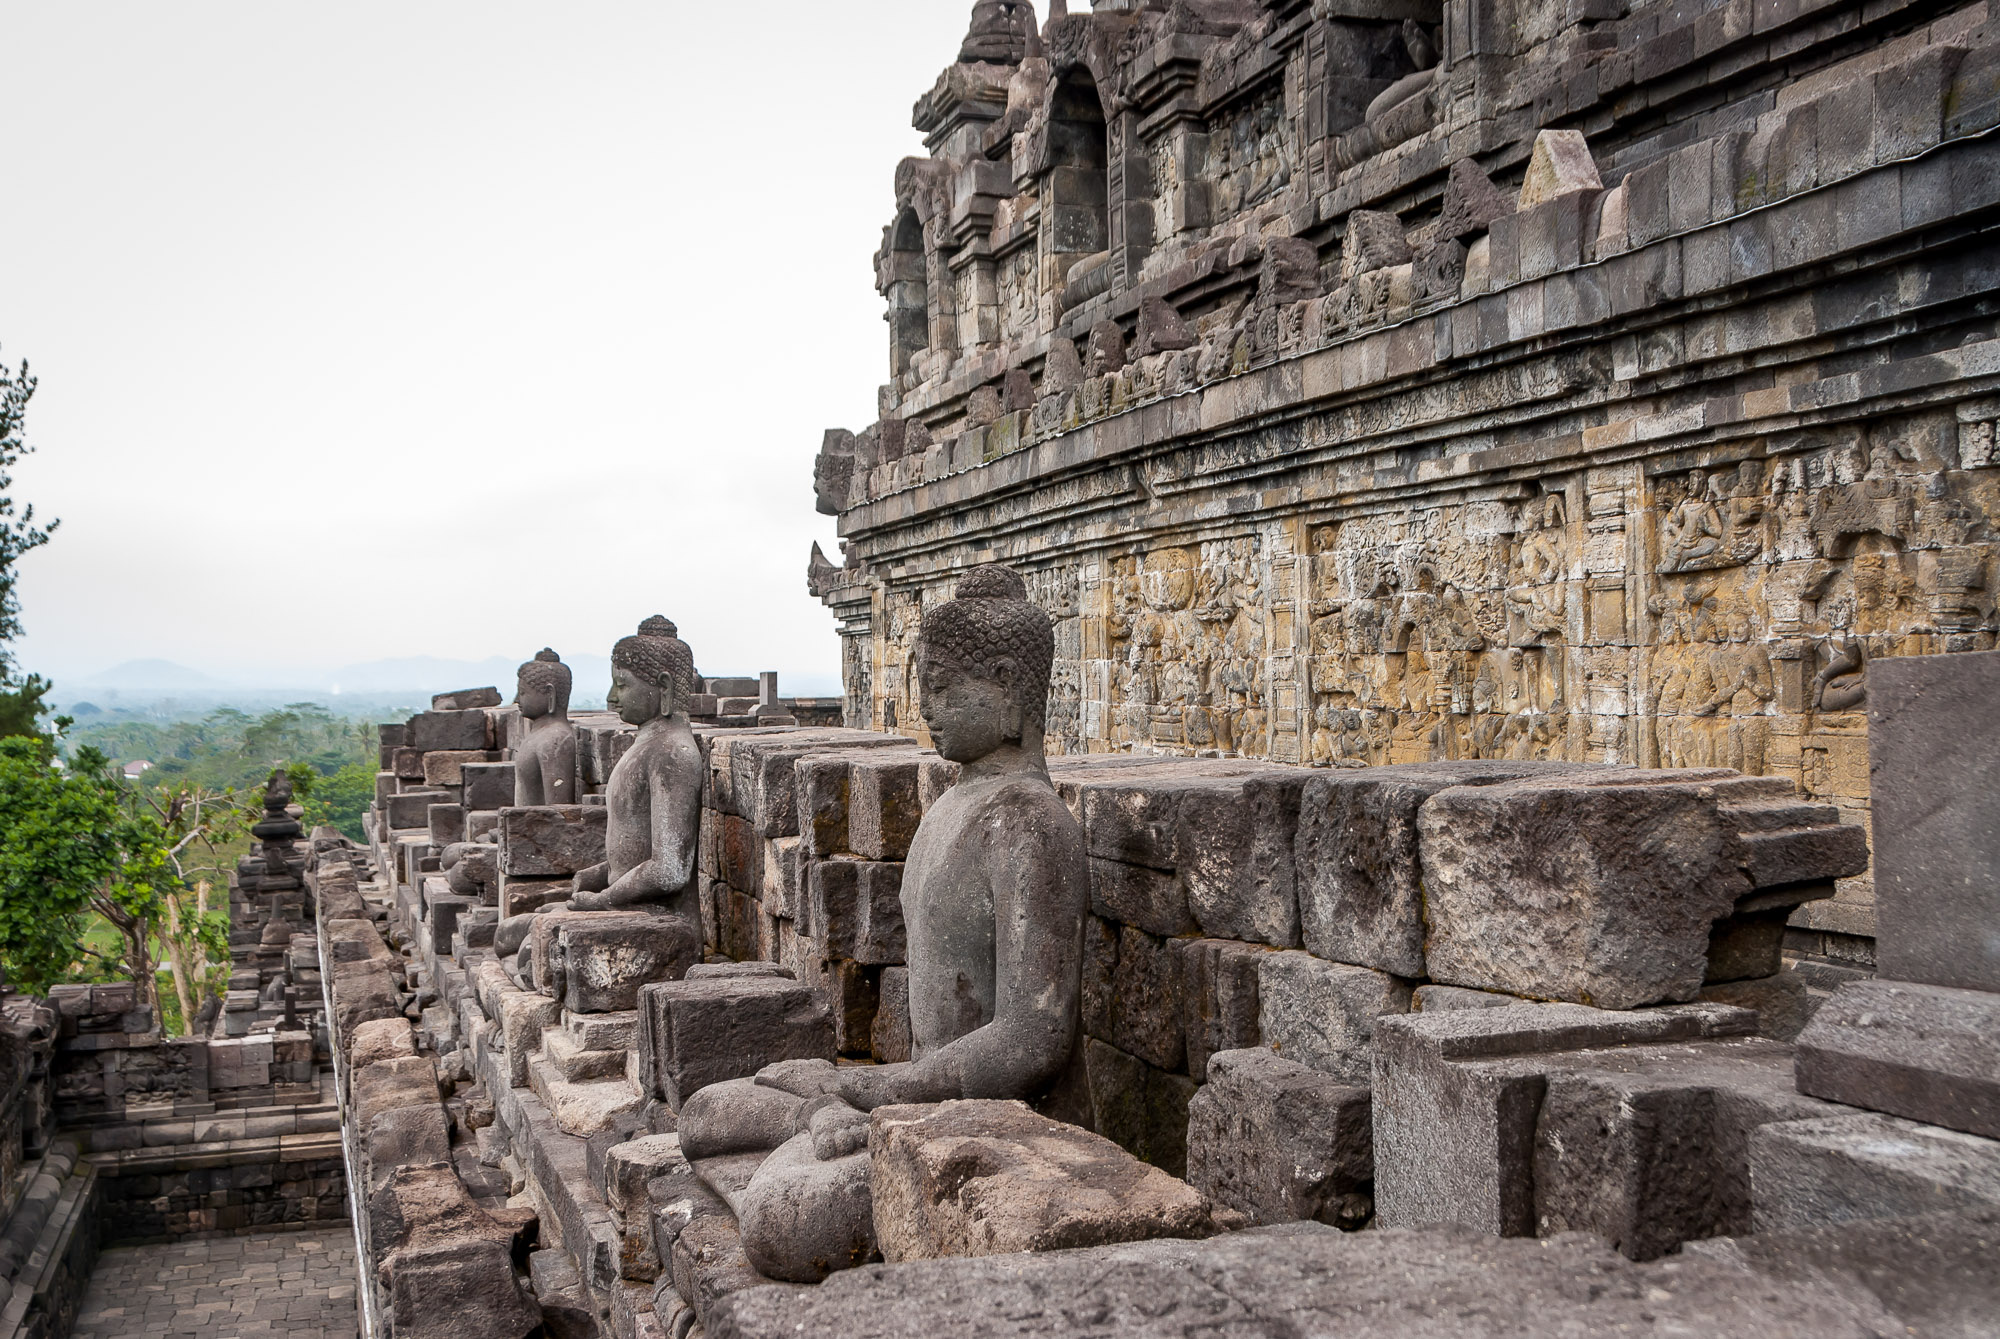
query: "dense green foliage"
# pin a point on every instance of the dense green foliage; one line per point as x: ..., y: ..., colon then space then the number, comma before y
x: 339, y: 800
x: 84, y: 850
x: 63, y: 843
x: 230, y: 748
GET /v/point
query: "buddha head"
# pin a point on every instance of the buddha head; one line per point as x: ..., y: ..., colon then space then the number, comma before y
x: 983, y: 665
x: 542, y: 686
x: 652, y: 673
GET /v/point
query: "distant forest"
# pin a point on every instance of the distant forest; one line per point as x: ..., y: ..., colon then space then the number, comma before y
x: 225, y: 748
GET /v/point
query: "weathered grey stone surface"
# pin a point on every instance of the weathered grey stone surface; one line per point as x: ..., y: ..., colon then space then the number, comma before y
x: 1457, y: 1096
x: 1934, y: 1272
x: 1596, y: 890
x: 1813, y: 1172
x: 1933, y: 768
x: 1306, y: 1279
x: 1647, y: 1146
x: 705, y: 1030
x: 597, y: 961
x: 989, y: 1178
x: 1140, y: 1107
x: 551, y: 840
x: 803, y: 1216
x: 466, y: 728
x: 1436, y: 999
x: 1931, y: 1053
x: 1784, y: 1003
x: 1323, y: 1014
x: 1219, y: 1000
x: 1232, y: 855
x: 1360, y: 878
x: 1278, y: 1142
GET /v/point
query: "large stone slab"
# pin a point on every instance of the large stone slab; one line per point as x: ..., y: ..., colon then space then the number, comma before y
x: 706, y: 1029
x: 1597, y: 888
x: 1933, y: 770
x: 1647, y: 1146
x: 1458, y: 1095
x: 1308, y: 1279
x: 465, y: 729
x: 1360, y: 882
x: 1278, y: 1142
x: 1931, y: 1053
x: 989, y: 1178
x: 551, y: 840
x: 596, y: 961
x: 1810, y: 1173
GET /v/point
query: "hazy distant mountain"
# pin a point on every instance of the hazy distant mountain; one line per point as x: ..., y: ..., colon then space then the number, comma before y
x: 148, y: 676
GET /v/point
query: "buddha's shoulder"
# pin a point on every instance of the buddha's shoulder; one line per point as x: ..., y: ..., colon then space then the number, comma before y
x: 1017, y: 800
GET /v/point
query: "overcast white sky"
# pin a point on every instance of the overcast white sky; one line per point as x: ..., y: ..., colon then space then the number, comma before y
x: 433, y: 327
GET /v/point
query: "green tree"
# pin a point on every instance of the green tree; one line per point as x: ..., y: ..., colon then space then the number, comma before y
x: 339, y: 800
x: 21, y: 707
x: 63, y: 843
x: 79, y: 842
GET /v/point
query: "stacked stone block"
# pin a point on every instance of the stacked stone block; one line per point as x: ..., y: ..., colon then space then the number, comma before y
x: 1258, y: 935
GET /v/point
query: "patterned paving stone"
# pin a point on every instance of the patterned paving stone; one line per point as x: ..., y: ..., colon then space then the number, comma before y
x: 297, y: 1284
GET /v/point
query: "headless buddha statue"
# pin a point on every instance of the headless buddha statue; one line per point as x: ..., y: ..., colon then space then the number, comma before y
x: 994, y: 895
x: 545, y: 766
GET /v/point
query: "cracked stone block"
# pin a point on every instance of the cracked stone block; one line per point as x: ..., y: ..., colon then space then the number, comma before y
x: 1218, y: 998
x: 1233, y: 847
x: 467, y: 730
x: 1647, y: 1146
x: 596, y: 961
x: 1360, y: 880
x: 1279, y: 1142
x: 387, y: 1084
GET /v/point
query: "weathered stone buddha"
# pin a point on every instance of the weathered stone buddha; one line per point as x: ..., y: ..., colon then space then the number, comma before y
x: 654, y: 803
x: 545, y: 766
x: 654, y: 794
x: 994, y: 895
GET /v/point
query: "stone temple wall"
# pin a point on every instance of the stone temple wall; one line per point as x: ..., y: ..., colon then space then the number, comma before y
x: 1383, y: 381
x: 1255, y: 931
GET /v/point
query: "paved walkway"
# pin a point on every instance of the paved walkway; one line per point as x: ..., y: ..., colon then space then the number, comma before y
x: 298, y: 1285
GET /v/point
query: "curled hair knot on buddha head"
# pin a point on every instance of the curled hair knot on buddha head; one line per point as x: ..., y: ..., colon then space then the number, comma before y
x: 990, y: 619
x: 655, y: 651
x: 546, y: 670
